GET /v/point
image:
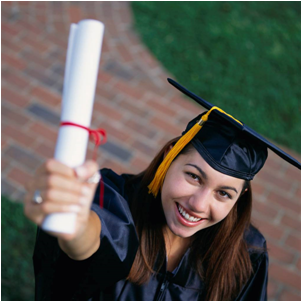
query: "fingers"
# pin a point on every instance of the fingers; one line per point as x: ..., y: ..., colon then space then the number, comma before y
x: 58, y: 182
x: 52, y: 166
x: 86, y: 170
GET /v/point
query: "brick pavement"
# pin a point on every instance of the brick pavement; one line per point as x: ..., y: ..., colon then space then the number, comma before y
x: 134, y: 103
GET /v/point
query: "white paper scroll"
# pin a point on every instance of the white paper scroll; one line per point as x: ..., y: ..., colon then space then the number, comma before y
x: 81, y: 69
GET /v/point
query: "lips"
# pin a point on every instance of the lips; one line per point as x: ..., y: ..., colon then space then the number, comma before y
x: 186, y: 217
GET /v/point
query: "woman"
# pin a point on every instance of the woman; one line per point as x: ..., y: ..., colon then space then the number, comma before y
x: 180, y: 230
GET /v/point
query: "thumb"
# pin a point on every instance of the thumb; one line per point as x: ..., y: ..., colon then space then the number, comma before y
x: 85, y: 171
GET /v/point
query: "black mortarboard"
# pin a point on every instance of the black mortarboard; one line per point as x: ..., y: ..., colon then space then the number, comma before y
x: 226, y: 144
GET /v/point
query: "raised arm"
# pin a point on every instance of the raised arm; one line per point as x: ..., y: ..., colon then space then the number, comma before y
x: 64, y: 189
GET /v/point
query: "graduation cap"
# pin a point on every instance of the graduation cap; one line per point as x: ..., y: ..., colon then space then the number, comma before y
x: 225, y: 143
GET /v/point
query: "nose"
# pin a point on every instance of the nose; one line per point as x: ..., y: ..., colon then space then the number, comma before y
x: 200, y: 201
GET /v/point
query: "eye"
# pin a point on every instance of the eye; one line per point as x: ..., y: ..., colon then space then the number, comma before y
x: 194, y: 176
x: 224, y: 194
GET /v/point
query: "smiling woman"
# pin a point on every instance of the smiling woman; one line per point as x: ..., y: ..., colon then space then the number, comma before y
x: 180, y: 230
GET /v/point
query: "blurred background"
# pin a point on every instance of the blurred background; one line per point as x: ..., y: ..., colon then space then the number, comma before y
x: 242, y: 56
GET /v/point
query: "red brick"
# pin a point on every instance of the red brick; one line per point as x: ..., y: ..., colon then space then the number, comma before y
x: 287, y: 295
x: 280, y: 253
x: 12, y: 61
x: 272, y: 290
x: 61, y: 27
x: 284, y: 275
x: 298, y: 264
x: 268, y: 229
x: 45, y: 150
x: 5, y: 165
x: 135, y: 93
x: 43, y: 131
x: 161, y: 107
x: 265, y: 209
x: 294, y: 242
x: 35, y: 59
x: 141, y: 129
x: 298, y: 193
x: 104, y: 77
x: 148, y: 59
x: 32, y: 27
x: 13, y: 116
x: 10, y: 45
x: 280, y: 182
x: 14, y: 97
x: 293, y: 173
x: 24, y: 3
x: 32, y: 41
x: 286, y: 203
x: 10, y: 29
x: 19, y: 176
x: 19, y: 136
x: 292, y: 222
x: 186, y: 104
x: 116, y: 132
x: 4, y: 143
x: 137, y: 111
x: 258, y: 188
x: 46, y: 96
x: 139, y: 164
x: 124, y: 53
x: 16, y: 80
x: 273, y: 163
x: 165, y: 126
x: 74, y: 13
x: 108, y: 111
x: 144, y: 148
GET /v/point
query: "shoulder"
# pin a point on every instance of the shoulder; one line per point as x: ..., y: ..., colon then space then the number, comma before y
x: 121, y: 183
x: 256, y: 244
x: 254, y: 238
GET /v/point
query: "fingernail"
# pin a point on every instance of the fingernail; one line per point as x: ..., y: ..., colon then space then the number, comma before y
x: 81, y: 171
x: 85, y: 191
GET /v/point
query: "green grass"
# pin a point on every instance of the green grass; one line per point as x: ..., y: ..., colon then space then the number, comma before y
x: 241, y: 56
x: 17, y: 244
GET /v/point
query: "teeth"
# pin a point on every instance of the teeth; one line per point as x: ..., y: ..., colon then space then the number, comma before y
x: 186, y: 215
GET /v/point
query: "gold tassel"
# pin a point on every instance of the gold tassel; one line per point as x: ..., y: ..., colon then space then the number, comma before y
x: 161, y: 172
x: 159, y: 177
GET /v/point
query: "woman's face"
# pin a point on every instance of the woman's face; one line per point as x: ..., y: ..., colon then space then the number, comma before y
x: 195, y: 196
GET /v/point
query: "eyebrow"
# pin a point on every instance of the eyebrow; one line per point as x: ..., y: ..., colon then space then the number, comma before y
x: 228, y: 188
x: 204, y: 175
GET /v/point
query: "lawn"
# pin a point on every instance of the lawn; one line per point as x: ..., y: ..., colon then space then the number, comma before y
x: 241, y: 56
x: 17, y: 244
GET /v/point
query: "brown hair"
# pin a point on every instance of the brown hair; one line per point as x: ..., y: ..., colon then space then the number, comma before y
x: 222, y: 260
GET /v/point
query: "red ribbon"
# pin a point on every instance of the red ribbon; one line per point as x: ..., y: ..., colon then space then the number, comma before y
x: 100, y: 138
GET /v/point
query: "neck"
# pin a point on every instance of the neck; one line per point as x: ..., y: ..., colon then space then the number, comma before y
x: 175, y: 243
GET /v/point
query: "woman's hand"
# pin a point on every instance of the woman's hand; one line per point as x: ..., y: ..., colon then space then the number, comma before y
x: 62, y: 189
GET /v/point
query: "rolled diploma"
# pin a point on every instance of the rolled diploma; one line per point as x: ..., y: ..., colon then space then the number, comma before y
x: 82, y: 62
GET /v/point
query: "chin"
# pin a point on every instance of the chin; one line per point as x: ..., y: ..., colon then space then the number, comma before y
x: 180, y: 231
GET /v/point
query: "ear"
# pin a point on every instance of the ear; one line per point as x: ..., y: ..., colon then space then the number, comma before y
x: 168, y: 150
x: 244, y: 191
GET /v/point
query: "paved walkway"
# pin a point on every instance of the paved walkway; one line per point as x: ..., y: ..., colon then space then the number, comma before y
x: 136, y: 105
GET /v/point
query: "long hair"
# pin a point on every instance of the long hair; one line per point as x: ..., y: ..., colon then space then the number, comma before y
x: 218, y: 253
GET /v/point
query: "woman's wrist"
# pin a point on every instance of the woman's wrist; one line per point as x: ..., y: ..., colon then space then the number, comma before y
x: 86, y: 243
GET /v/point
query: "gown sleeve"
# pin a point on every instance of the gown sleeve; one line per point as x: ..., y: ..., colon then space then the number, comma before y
x: 256, y: 287
x: 57, y: 277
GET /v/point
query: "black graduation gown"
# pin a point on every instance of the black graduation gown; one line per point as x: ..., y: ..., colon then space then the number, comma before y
x: 103, y: 275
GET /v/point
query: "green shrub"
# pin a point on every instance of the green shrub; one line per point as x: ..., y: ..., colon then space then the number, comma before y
x: 242, y: 56
x: 17, y: 244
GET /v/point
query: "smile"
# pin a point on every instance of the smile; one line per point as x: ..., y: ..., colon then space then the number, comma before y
x: 186, y: 215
